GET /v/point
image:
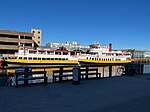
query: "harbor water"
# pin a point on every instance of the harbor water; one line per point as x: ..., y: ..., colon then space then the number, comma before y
x: 147, y: 68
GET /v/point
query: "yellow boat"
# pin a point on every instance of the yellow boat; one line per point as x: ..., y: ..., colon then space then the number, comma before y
x: 38, y: 57
x: 98, y: 54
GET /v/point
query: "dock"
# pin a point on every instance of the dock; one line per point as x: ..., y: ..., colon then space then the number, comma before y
x: 114, y: 94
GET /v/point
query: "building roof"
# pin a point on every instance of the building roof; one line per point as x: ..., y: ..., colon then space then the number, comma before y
x: 16, y: 33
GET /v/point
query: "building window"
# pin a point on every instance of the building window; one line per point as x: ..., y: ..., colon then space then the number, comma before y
x: 33, y: 31
x: 38, y: 37
x: 39, y: 32
x: 39, y: 42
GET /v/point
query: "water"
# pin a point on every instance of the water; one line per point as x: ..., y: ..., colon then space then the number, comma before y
x: 147, y: 68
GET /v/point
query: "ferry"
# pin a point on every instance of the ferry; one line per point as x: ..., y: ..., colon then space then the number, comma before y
x: 40, y: 56
x: 98, y: 54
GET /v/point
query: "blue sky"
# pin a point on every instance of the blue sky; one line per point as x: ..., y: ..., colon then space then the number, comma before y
x: 124, y: 23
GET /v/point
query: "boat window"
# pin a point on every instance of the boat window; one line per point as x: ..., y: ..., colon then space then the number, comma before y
x: 57, y: 53
x: 92, y: 58
x: 86, y: 57
x: 66, y: 58
x: 20, y: 57
x: 65, y: 53
x: 39, y: 58
x: 109, y: 54
x: 21, y: 48
x: 34, y: 58
x: 52, y: 58
x: 51, y: 53
x: 32, y: 52
x: 72, y: 53
x: 30, y: 58
x: 118, y: 59
x: 48, y: 58
x: 43, y: 58
x: 56, y: 58
x: 13, y: 58
x: 41, y: 52
x: 25, y: 58
x: 63, y: 58
x: 59, y: 58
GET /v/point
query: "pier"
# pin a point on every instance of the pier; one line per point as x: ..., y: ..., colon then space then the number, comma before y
x: 86, y: 71
x: 115, y: 94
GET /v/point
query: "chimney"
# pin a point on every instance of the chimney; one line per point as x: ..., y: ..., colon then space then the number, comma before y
x: 110, y: 47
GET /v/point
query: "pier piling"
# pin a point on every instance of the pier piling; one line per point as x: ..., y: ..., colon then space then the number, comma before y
x: 110, y: 70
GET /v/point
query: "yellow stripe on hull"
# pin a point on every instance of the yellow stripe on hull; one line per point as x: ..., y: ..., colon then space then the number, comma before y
x: 43, y: 61
x: 102, y: 61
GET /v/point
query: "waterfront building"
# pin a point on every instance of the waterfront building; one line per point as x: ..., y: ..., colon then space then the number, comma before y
x: 10, y: 40
x: 37, y: 38
x: 147, y: 54
x: 136, y: 53
x: 69, y: 46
